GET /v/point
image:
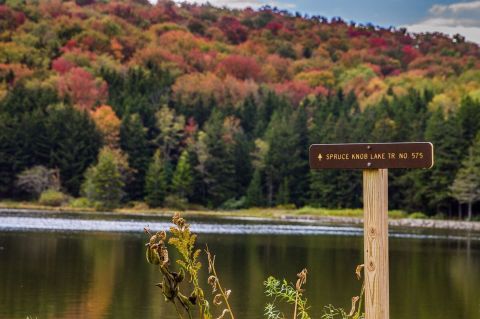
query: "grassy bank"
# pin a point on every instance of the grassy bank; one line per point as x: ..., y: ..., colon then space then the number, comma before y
x: 277, y: 212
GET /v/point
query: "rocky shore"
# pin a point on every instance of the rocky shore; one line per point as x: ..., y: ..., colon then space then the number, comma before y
x: 454, y: 225
x: 472, y: 226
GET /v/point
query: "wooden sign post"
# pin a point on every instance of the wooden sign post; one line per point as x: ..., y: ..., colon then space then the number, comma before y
x: 374, y: 159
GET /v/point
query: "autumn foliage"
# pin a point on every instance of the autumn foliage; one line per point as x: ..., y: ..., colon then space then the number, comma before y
x: 267, y: 46
x: 83, y: 88
x: 108, y: 124
x: 235, y: 96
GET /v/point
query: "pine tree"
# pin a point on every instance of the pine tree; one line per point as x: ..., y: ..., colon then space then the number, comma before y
x: 283, y: 195
x: 469, y: 116
x: 284, y: 154
x: 104, y: 182
x: 240, y: 150
x: 24, y: 100
x: 466, y: 186
x: 140, y: 91
x: 133, y: 141
x: 270, y: 102
x: 198, y: 156
x: 219, y: 166
x: 171, y: 131
x: 182, y: 178
x: 255, y: 196
x: 299, y: 193
x: 7, y: 155
x: 73, y: 143
x: 249, y: 115
x: 26, y: 138
x: 446, y: 135
x: 334, y: 188
x: 155, y: 181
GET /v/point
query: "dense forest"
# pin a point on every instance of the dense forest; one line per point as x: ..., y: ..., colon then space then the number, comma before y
x: 121, y: 101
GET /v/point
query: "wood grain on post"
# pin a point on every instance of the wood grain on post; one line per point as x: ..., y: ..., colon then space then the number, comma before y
x: 375, y: 202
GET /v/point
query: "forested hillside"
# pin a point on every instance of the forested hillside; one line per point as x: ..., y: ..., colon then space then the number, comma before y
x: 126, y: 101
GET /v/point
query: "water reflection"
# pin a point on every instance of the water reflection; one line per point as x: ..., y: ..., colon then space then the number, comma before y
x: 104, y: 275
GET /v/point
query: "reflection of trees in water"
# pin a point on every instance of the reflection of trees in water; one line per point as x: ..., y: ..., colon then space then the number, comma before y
x: 106, y: 276
x: 434, y: 279
x: 116, y: 282
x: 244, y: 262
x: 95, y: 301
x: 465, y: 269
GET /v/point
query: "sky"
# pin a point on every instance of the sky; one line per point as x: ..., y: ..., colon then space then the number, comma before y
x: 444, y: 16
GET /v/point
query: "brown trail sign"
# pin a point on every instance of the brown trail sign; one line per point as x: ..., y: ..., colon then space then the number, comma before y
x: 374, y: 159
x: 374, y: 155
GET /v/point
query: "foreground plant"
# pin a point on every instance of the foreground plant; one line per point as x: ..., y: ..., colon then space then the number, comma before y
x: 330, y: 312
x: 288, y: 293
x: 282, y: 291
x: 221, y: 295
x: 182, y: 288
x: 184, y: 241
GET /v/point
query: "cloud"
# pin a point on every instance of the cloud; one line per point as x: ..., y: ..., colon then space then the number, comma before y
x: 239, y: 4
x: 439, y: 9
x: 460, y: 17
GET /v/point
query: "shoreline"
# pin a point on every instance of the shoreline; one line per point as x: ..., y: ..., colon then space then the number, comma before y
x: 269, y: 214
x: 409, y: 223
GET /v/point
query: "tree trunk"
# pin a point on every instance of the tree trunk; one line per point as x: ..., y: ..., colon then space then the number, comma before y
x: 270, y: 190
x: 469, y: 211
x: 459, y: 210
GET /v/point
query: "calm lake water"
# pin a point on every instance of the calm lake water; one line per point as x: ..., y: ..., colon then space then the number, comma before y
x: 73, y: 273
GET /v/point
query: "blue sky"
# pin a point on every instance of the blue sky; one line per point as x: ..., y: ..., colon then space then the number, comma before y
x: 417, y: 15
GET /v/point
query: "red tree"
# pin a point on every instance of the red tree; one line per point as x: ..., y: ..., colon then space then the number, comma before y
x: 241, y: 67
x: 295, y: 91
x: 233, y: 30
x: 83, y: 88
x: 61, y: 65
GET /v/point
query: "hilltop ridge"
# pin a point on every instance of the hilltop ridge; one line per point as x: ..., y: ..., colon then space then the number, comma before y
x: 182, y: 104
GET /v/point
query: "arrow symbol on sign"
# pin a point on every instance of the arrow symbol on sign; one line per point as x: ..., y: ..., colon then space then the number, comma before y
x: 320, y: 157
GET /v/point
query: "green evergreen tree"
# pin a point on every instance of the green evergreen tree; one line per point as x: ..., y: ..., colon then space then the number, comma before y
x: 269, y: 104
x: 249, y: 115
x: 469, y: 116
x: 58, y: 137
x: 410, y: 115
x: 22, y: 99
x: 240, y: 151
x: 171, y: 131
x: 198, y: 156
x: 255, y: 196
x: 336, y: 188
x: 219, y: 166
x: 155, y: 181
x: 283, y: 195
x: 283, y: 159
x: 140, y: 90
x: 104, y: 182
x: 133, y: 141
x: 299, y: 179
x: 446, y: 135
x: 72, y: 144
x: 182, y: 178
x: 466, y: 186
x: 7, y: 155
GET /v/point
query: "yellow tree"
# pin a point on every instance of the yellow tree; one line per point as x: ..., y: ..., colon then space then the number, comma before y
x: 108, y: 124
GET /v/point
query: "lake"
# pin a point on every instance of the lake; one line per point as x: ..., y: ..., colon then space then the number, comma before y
x: 93, y: 266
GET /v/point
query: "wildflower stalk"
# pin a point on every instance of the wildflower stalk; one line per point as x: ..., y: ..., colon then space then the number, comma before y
x: 184, y: 241
x: 157, y: 254
x: 214, y: 281
x: 302, y: 279
x: 330, y: 312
